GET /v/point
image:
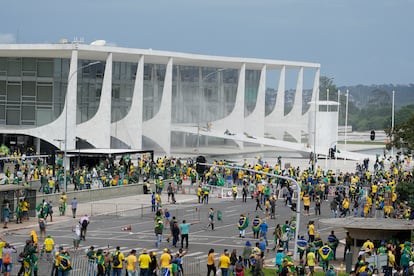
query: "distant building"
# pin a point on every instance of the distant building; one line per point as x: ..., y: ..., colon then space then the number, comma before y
x: 136, y: 98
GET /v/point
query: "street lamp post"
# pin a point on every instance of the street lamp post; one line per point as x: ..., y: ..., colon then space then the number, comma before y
x: 392, y: 123
x: 346, y: 120
x: 199, y: 103
x: 66, y: 122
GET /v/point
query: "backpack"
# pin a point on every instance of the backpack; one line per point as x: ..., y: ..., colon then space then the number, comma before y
x: 6, y: 258
x: 115, y: 260
x: 84, y: 223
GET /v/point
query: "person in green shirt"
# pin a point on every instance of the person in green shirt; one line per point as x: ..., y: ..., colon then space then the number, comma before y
x: 100, y: 262
x: 91, y: 255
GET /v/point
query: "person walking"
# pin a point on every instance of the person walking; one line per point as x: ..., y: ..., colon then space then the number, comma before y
x: 224, y: 263
x: 175, y: 231
x: 48, y: 246
x: 74, y: 204
x: 159, y: 227
x: 6, y: 214
x: 349, y: 241
x: 184, y: 230
x: 7, y: 254
x: 333, y: 243
x: 258, y: 203
x: 263, y: 231
x: 210, y: 219
x: 77, y: 236
x: 242, y: 224
x: 84, y: 222
x: 211, y: 263
x: 42, y: 228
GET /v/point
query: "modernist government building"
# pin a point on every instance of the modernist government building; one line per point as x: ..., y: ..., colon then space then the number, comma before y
x: 104, y: 97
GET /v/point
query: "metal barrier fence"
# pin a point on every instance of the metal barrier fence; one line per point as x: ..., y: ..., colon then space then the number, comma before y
x: 191, y: 212
x: 194, y: 266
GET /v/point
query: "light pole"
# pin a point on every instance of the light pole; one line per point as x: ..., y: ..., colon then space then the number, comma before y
x: 199, y: 103
x: 392, y: 123
x: 66, y: 122
x: 346, y: 120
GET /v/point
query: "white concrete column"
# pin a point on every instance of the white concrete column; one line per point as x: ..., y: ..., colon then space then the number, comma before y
x: 101, y: 122
x: 131, y: 124
x: 276, y: 115
x: 71, y: 103
x: 234, y: 122
x: 158, y: 128
x: 254, y: 123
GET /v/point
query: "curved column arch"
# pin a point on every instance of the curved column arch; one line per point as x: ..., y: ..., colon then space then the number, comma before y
x: 158, y: 128
x: 101, y: 121
x: 254, y: 123
x: 234, y: 122
x: 277, y: 114
x: 132, y: 122
x: 55, y: 131
x: 294, y: 122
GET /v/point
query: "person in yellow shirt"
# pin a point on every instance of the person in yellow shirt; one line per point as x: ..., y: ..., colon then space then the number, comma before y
x: 3, y: 243
x: 48, y: 246
x: 131, y: 262
x: 311, y: 260
x: 144, y: 261
x: 345, y: 207
x: 33, y: 235
x: 117, y: 269
x: 368, y: 244
x: 211, y: 264
x: 311, y: 231
x: 165, y: 261
x: 391, y: 263
x: 25, y: 209
x: 224, y: 263
x: 306, y: 204
x: 51, y: 184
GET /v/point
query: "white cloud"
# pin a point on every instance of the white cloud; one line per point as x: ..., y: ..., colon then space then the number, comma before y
x: 7, y: 38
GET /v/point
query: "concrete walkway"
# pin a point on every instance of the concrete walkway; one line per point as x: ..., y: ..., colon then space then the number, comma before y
x: 101, y: 207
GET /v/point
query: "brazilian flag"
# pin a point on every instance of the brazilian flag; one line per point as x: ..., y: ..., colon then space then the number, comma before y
x: 326, y: 253
x: 220, y: 180
x: 256, y: 225
x: 302, y: 244
x: 243, y: 223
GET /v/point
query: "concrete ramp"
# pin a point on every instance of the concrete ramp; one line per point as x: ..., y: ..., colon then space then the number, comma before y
x: 246, y: 137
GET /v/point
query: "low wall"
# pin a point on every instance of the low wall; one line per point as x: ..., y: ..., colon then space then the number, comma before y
x: 90, y: 195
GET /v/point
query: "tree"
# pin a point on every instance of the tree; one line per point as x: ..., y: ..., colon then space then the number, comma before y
x: 403, y: 136
x: 405, y: 191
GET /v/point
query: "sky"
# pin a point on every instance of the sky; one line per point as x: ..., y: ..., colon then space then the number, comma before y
x: 356, y: 42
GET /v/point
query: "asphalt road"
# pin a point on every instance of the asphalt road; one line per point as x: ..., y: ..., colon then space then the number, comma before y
x: 106, y: 231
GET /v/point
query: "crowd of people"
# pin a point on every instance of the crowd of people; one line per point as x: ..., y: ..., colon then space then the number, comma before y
x: 362, y: 193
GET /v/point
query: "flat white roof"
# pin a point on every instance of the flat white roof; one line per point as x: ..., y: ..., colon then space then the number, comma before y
x: 104, y: 151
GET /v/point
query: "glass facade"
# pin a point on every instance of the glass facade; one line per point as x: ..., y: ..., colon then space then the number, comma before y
x: 123, y: 80
x: 32, y: 90
x: 154, y: 76
x: 251, y: 88
x: 90, y: 79
x: 201, y: 94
